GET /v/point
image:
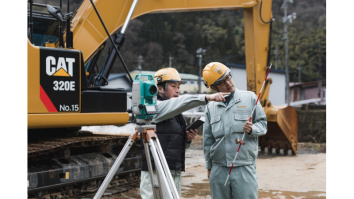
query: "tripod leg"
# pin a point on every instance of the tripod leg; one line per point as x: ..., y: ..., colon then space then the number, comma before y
x: 148, y: 160
x: 162, y: 171
x: 159, y: 191
x: 159, y: 169
x: 166, y: 169
x: 115, y: 166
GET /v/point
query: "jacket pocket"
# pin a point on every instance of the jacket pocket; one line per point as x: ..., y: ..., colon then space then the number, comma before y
x: 217, y: 151
x: 241, y: 117
x: 240, y: 120
x: 216, y: 126
x: 215, y: 119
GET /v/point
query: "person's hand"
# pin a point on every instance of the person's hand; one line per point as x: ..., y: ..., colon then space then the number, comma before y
x: 209, y: 170
x: 218, y: 97
x: 191, y: 134
x: 247, y: 127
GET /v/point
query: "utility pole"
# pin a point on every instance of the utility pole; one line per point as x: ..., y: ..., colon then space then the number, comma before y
x: 200, y: 52
x: 140, y: 61
x: 299, y: 73
x: 320, y: 93
x: 287, y: 19
x: 276, y: 53
x: 170, y: 61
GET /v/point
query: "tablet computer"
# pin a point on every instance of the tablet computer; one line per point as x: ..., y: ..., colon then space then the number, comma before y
x: 196, y: 124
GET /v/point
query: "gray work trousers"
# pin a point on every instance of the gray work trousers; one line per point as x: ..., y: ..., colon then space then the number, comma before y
x: 242, y: 183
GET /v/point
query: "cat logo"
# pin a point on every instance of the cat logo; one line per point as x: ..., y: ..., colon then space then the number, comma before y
x: 62, y: 67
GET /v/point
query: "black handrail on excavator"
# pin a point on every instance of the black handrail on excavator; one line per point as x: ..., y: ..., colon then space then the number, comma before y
x: 106, y: 70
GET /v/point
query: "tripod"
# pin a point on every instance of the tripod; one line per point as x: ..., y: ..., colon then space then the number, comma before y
x: 151, y: 142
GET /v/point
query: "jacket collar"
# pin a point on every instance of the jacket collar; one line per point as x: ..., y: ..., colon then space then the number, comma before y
x: 161, y: 98
x: 235, y: 99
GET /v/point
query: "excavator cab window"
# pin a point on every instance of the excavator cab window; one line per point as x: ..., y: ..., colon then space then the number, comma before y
x: 42, y: 26
x: 45, y: 30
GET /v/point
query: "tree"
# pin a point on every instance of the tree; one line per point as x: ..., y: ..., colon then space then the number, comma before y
x: 221, y: 32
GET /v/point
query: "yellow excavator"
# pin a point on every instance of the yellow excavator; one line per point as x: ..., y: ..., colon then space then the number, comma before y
x: 65, y: 93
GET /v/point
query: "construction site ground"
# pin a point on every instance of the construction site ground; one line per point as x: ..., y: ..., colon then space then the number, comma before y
x: 279, y: 176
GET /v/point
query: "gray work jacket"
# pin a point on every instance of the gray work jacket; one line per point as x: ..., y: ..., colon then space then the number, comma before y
x: 174, y: 106
x: 224, y: 123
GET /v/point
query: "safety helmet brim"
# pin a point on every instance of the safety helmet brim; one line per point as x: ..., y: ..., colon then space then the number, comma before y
x: 228, y: 71
x: 213, y: 72
x: 167, y: 75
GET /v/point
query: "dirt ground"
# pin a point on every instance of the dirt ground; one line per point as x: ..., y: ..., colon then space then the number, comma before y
x: 295, y: 177
x: 279, y: 176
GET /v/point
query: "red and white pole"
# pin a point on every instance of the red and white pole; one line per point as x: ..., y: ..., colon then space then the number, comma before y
x: 241, y: 142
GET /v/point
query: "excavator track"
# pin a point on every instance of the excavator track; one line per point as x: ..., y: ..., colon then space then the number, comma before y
x: 76, y: 163
x: 77, y: 140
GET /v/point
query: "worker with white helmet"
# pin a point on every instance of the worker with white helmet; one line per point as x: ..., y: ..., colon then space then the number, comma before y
x: 224, y: 123
x: 171, y: 127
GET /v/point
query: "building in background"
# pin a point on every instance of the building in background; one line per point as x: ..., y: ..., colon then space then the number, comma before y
x: 307, y: 92
x: 189, y: 82
x: 277, y: 88
x: 300, y: 93
x: 119, y: 80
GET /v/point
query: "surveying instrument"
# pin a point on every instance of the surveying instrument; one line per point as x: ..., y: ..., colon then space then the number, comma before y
x: 144, y: 98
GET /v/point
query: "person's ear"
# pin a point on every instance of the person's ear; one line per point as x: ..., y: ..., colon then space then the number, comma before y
x: 160, y: 89
x: 213, y: 88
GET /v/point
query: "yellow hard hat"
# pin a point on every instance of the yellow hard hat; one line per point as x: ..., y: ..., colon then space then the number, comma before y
x: 214, y: 72
x: 167, y: 75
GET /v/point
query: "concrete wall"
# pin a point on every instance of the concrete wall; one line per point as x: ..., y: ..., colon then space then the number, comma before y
x: 277, y: 88
x: 312, y: 124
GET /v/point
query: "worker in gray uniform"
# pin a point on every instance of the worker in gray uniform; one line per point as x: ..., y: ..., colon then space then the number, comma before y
x: 225, y: 122
x: 171, y: 127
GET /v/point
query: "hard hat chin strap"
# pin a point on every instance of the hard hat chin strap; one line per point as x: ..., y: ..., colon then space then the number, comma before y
x: 164, y: 86
x: 164, y: 95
